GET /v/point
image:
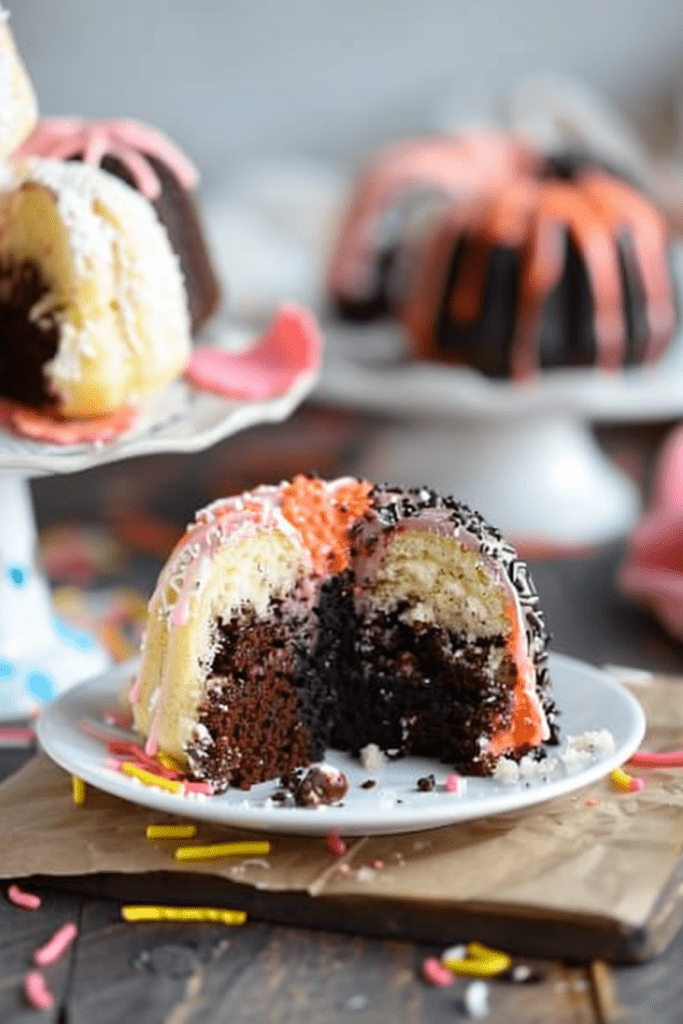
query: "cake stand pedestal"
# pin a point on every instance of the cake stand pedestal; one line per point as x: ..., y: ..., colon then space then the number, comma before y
x: 524, y: 455
x: 544, y: 481
x: 40, y: 656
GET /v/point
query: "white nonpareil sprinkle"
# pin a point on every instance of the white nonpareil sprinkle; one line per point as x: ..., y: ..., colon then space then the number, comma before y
x: 454, y: 953
x: 506, y: 772
x: 371, y: 757
x: 476, y: 999
x: 598, y: 741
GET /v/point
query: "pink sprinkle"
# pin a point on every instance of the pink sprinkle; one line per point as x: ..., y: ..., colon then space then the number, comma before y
x: 27, y: 900
x: 636, y: 785
x: 591, y: 802
x: 199, y: 787
x: 133, y: 752
x: 37, y: 992
x: 17, y: 737
x: 336, y: 845
x: 59, y: 942
x: 378, y: 864
x: 435, y: 973
x: 667, y: 759
x: 452, y: 783
x: 114, y: 763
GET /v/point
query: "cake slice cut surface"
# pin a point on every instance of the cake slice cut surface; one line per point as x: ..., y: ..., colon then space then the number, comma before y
x: 338, y: 613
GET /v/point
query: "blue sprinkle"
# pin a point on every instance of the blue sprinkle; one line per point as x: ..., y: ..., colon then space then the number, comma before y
x: 41, y: 686
x: 6, y: 669
x: 17, y: 574
x: 74, y: 637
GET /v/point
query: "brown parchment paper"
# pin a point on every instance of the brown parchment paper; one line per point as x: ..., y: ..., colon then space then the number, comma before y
x: 596, y: 852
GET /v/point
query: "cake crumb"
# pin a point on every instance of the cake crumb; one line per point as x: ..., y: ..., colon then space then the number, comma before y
x: 506, y: 772
x: 426, y: 783
x: 371, y: 757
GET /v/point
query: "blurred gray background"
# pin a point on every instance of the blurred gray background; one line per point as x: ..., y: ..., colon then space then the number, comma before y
x: 234, y: 79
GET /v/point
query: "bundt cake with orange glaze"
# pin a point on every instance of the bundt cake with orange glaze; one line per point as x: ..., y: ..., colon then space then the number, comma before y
x: 567, y: 269
x: 148, y: 161
x: 391, y: 206
x: 338, y: 613
x: 498, y: 258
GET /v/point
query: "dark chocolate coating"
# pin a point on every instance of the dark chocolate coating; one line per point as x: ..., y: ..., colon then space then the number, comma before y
x: 177, y: 212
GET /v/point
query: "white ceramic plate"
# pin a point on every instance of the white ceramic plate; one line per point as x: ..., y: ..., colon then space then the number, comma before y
x: 589, y: 699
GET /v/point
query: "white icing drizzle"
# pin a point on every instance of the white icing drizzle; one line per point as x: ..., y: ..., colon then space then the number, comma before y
x: 146, y: 275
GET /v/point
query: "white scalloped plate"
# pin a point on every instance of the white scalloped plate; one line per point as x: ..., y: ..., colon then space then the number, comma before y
x: 589, y: 700
x: 180, y: 419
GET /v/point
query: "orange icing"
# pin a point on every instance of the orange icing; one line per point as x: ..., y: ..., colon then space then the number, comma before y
x: 323, y: 517
x: 526, y: 725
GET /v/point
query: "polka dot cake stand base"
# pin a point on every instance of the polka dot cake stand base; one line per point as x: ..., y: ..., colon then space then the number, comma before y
x: 40, y: 656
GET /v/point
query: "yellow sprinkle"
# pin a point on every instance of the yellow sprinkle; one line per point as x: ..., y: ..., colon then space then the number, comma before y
x: 480, y: 962
x: 78, y: 790
x: 621, y: 780
x: 478, y: 949
x: 142, y: 913
x: 222, y: 850
x: 171, y: 831
x: 150, y: 779
x: 168, y: 762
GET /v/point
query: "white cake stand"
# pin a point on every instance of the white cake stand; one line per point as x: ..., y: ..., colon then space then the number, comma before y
x: 523, y: 455
x: 39, y: 655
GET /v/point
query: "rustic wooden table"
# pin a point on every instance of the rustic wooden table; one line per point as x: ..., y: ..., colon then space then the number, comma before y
x: 187, y: 974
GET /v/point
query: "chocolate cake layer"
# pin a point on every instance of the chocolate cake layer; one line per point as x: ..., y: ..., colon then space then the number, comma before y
x: 28, y: 339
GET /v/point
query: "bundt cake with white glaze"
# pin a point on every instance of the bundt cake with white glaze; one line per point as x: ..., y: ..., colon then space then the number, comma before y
x: 93, y: 308
x: 147, y: 160
x: 315, y: 614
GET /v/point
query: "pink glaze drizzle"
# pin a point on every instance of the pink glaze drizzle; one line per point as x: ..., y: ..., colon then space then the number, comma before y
x: 62, y: 138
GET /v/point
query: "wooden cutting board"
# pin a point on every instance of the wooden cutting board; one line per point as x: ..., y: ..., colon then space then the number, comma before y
x: 597, y: 874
